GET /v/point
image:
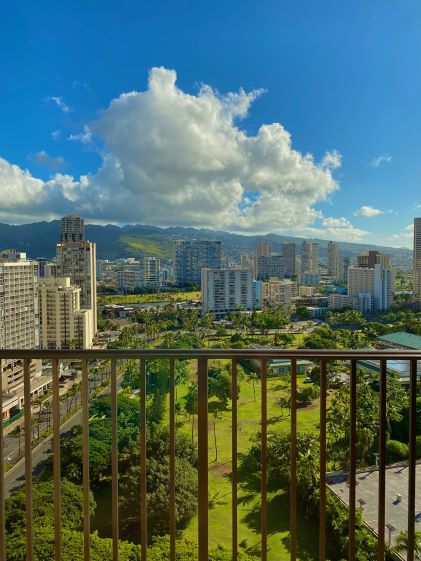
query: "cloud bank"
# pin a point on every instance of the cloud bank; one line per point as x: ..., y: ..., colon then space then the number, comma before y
x: 171, y: 158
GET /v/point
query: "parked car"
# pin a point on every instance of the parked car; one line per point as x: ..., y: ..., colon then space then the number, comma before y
x: 308, y: 380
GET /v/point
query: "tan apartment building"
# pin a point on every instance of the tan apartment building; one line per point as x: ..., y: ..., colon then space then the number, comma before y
x: 277, y: 292
x: 63, y: 325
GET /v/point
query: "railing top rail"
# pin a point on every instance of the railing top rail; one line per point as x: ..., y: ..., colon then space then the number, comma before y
x: 250, y: 353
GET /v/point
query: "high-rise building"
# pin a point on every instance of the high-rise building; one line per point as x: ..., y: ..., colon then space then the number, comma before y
x: 19, y: 319
x: 42, y: 262
x: 417, y: 262
x: 310, y: 257
x: 344, y: 264
x: 63, y: 325
x: 225, y: 290
x: 333, y: 259
x: 375, y: 281
x: 72, y: 229
x: 128, y: 280
x: 77, y: 260
x: 150, y: 274
x: 270, y: 266
x: 191, y: 256
x: 289, y: 257
x: 264, y: 249
x: 276, y: 292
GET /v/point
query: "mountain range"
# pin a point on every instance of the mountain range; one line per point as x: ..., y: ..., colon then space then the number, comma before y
x: 38, y: 240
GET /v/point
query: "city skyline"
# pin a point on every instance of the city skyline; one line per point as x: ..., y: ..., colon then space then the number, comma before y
x: 248, y: 148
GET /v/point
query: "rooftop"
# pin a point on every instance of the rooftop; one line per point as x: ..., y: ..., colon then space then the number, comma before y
x: 403, y: 340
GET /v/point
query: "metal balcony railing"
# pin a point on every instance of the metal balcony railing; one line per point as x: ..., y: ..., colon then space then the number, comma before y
x: 202, y: 357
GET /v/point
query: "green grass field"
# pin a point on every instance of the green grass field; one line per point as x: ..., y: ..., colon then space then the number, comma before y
x: 249, y: 501
x: 145, y: 298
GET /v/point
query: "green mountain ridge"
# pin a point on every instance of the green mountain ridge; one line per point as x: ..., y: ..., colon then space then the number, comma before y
x: 38, y: 240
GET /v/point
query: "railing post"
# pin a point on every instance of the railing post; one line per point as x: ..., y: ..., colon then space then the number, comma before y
x: 234, y: 459
x: 352, y: 459
x: 293, y: 464
x: 114, y: 458
x: 85, y: 451
x: 322, y: 506
x: 143, y: 489
x: 2, y: 474
x: 412, y: 459
x: 56, y: 460
x: 382, y: 462
x: 28, y: 460
x: 173, y: 528
x: 202, y: 427
x: 264, y: 460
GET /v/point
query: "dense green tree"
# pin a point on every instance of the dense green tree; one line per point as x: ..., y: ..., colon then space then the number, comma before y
x: 157, y: 484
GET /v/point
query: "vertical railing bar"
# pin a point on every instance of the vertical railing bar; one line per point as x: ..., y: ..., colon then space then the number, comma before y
x: 28, y: 460
x: 56, y: 460
x: 202, y: 427
x: 382, y: 463
x: 85, y: 450
x: 352, y: 460
x: 412, y: 459
x: 293, y: 464
x: 114, y: 458
x: 173, y: 528
x: 264, y: 466
x: 234, y: 502
x: 2, y: 473
x: 322, y: 505
x: 143, y: 496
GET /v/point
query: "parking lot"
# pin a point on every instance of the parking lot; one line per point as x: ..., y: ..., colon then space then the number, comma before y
x: 396, y: 497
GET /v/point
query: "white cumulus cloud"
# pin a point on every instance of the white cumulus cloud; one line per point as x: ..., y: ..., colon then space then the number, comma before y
x: 171, y: 157
x: 368, y: 211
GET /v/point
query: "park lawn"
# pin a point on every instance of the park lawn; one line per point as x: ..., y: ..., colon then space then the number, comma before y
x: 145, y: 298
x: 249, y: 500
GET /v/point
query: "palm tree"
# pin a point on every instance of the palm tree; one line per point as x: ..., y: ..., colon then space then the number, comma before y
x: 18, y: 431
x: 402, y: 544
x: 216, y: 415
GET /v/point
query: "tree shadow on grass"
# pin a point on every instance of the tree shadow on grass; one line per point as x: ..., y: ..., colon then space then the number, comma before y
x: 278, y: 522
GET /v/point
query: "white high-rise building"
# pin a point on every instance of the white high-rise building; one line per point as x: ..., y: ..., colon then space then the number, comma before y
x: 19, y: 320
x: 63, y: 325
x: 375, y: 281
x: 417, y: 262
x: 77, y: 260
x: 333, y: 259
x: 225, y: 290
x: 310, y: 257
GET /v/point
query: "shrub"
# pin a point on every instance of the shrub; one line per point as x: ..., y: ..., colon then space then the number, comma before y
x: 396, y: 451
x: 418, y: 446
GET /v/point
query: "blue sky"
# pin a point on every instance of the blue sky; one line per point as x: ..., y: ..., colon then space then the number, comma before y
x: 341, y: 78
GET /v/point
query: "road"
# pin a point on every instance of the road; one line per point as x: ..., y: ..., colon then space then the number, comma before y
x: 15, y: 477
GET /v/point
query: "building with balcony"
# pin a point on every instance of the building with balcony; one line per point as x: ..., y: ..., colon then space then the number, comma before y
x: 191, y: 256
x: 277, y: 292
x: 19, y: 315
x: 226, y: 290
x: 63, y: 324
